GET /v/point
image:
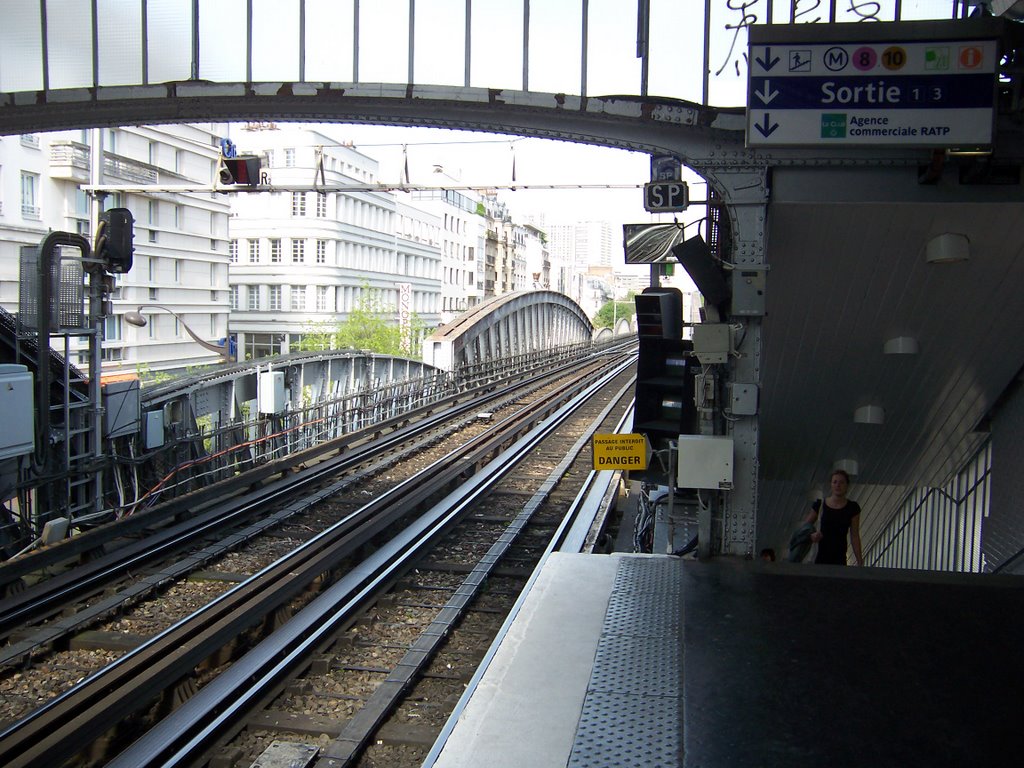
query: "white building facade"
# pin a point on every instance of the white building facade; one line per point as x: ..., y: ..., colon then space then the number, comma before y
x: 180, y: 273
x: 301, y: 260
x: 463, y: 227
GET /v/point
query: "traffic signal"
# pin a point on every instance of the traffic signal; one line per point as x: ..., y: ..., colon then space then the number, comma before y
x: 664, y: 405
x: 243, y: 170
x: 114, y: 237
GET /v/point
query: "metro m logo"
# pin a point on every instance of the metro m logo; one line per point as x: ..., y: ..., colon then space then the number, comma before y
x: 836, y: 59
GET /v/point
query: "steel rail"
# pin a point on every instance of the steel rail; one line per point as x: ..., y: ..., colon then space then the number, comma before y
x: 147, y: 520
x: 72, y: 721
x: 50, y: 595
x: 187, y: 733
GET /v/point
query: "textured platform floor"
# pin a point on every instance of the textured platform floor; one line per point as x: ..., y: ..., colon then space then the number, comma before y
x: 652, y: 661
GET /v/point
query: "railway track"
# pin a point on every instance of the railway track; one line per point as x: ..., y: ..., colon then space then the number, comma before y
x: 160, y: 550
x: 329, y: 570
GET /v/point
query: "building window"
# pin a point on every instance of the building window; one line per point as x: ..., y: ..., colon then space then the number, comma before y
x: 233, y: 251
x: 321, y: 298
x: 112, y: 353
x: 298, y: 203
x: 233, y: 297
x: 321, y: 205
x: 29, y: 191
x: 275, y: 251
x: 298, y: 251
x: 154, y: 294
x: 179, y: 161
x: 254, y: 251
x: 214, y: 295
x: 177, y: 328
x: 151, y: 326
x: 177, y: 270
x: 112, y: 328
x: 179, y: 217
x: 254, y: 298
x: 30, y: 140
x: 289, y: 158
x: 298, y: 297
x: 152, y: 269
x: 321, y: 251
x: 154, y: 219
x: 275, y: 298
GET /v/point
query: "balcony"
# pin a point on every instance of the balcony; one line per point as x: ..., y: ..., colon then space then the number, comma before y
x: 69, y: 160
x: 131, y: 171
x: 30, y: 212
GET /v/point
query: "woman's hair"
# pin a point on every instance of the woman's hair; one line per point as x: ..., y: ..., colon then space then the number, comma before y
x: 842, y: 472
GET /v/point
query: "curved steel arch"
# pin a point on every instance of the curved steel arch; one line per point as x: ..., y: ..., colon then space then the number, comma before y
x: 696, y: 134
x: 514, y: 324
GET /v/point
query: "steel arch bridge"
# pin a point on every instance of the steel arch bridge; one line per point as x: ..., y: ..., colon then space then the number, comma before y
x: 508, y: 326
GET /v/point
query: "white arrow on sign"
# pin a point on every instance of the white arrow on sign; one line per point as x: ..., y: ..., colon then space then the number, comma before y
x: 767, y: 94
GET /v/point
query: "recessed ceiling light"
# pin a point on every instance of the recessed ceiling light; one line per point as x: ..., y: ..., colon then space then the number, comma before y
x: 869, y: 414
x: 901, y: 345
x: 947, y: 248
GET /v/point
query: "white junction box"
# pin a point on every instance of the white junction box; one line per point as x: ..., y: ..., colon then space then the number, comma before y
x: 712, y: 342
x: 704, y: 461
x: 271, y: 392
x: 17, y: 406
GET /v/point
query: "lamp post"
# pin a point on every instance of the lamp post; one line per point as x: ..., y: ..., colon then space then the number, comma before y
x: 136, y: 318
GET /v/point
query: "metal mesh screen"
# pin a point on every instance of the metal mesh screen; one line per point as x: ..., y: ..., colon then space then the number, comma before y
x: 67, y: 303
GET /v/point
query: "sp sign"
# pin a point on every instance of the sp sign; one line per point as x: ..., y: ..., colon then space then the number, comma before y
x: 666, y: 196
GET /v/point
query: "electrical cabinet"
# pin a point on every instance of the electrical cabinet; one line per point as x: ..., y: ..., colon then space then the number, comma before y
x: 271, y: 397
x: 17, y: 404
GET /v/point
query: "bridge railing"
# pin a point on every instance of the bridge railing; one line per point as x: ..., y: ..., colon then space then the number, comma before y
x: 590, y: 47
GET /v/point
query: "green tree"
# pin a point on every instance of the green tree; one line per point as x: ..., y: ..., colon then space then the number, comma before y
x: 613, y: 311
x: 371, y: 325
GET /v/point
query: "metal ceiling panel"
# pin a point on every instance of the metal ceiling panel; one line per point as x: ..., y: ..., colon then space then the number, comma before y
x: 844, y: 278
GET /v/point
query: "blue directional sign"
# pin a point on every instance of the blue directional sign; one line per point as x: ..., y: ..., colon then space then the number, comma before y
x: 889, y: 93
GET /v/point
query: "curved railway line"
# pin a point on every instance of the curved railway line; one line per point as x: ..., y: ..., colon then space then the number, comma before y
x: 244, y: 673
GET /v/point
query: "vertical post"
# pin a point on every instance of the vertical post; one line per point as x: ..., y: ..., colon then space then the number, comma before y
x: 412, y: 42
x: 468, y: 50
x: 706, y: 83
x: 355, y: 41
x: 96, y: 313
x: 643, y: 32
x: 195, y: 39
x: 526, y: 44
x: 248, y: 41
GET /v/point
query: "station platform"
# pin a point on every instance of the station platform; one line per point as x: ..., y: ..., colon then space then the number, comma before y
x: 642, y: 660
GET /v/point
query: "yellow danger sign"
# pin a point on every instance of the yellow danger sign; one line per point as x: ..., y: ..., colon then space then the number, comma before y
x: 620, y: 451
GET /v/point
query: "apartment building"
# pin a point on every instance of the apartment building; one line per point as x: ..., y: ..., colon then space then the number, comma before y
x: 463, y: 227
x: 179, y: 278
x: 301, y: 259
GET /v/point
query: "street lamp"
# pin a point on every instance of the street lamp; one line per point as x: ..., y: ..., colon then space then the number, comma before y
x: 137, y: 319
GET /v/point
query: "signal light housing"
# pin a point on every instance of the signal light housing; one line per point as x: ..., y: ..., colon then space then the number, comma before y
x: 114, y: 237
x: 243, y: 170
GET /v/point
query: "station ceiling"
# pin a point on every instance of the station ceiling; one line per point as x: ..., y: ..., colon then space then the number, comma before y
x: 849, y: 272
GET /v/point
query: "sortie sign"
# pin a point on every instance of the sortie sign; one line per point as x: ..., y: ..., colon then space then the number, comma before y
x: 620, y: 451
x: 889, y: 93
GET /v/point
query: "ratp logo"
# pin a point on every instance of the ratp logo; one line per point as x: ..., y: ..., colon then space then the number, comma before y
x: 833, y: 125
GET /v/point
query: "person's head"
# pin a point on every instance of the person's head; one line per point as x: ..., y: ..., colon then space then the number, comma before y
x: 840, y: 483
x: 768, y: 555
